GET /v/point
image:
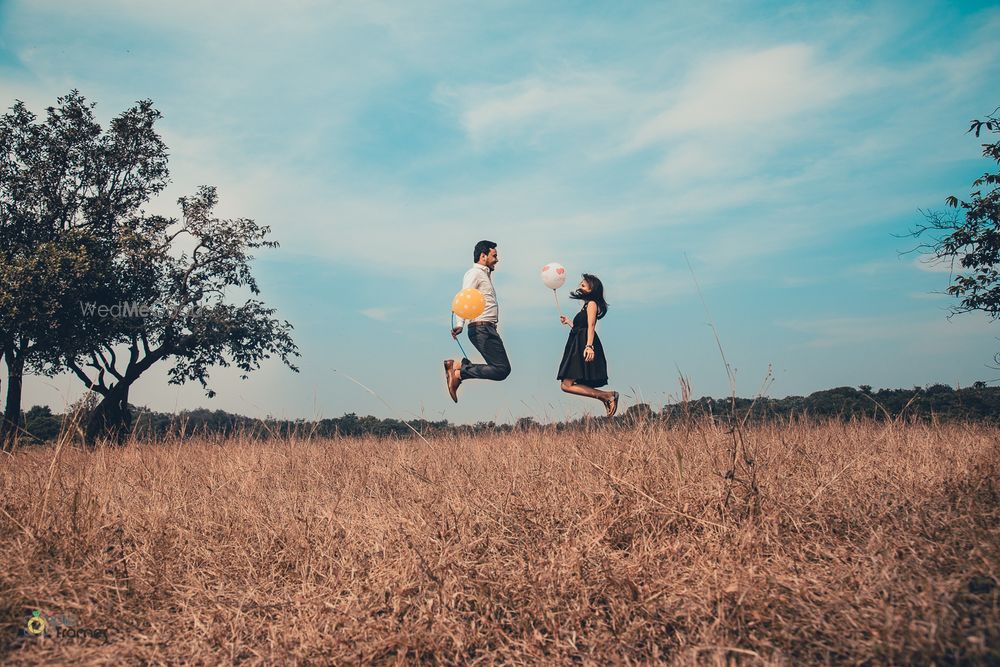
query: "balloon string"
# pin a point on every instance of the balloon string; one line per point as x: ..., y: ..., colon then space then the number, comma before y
x: 558, y: 307
x: 464, y: 355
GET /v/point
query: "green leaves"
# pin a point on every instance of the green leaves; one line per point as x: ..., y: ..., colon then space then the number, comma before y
x: 90, y: 283
x: 972, y: 241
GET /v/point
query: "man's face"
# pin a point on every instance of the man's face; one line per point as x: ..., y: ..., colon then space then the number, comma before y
x: 491, y: 259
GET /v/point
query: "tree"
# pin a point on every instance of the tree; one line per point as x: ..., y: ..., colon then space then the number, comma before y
x: 968, y: 238
x: 41, y: 424
x: 40, y: 289
x: 64, y: 183
x: 639, y: 413
x: 75, y: 245
x: 174, y: 307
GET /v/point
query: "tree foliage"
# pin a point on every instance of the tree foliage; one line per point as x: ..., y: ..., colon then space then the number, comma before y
x: 74, y: 236
x: 968, y: 236
x: 63, y: 184
x: 179, y: 309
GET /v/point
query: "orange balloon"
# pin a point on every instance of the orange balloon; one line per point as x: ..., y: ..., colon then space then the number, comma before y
x: 468, y: 304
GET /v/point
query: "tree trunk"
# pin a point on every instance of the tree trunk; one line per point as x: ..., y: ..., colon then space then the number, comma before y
x: 11, y: 424
x: 112, y: 418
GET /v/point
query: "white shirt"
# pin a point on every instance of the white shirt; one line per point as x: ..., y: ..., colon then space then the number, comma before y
x: 478, y: 277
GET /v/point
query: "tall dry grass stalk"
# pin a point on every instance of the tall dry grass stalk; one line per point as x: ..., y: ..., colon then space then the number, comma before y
x: 861, y: 542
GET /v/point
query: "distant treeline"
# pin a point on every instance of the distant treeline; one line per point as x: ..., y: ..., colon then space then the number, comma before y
x: 978, y: 403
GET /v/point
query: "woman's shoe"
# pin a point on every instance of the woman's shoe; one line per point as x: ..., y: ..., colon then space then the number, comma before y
x: 612, y: 404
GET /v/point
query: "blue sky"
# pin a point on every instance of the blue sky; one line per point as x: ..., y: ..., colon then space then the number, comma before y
x: 779, y: 147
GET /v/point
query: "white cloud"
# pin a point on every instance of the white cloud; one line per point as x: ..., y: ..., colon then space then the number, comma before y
x: 378, y: 314
x: 837, y: 331
x: 739, y: 92
x: 929, y: 296
x: 874, y: 267
x: 930, y: 329
x: 931, y: 264
x: 536, y: 105
x: 799, y: 281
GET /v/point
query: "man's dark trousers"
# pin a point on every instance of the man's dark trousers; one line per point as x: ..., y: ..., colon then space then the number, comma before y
x: 488, y: 342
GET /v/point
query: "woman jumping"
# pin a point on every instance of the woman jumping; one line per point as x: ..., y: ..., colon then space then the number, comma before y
x: 583, y: 366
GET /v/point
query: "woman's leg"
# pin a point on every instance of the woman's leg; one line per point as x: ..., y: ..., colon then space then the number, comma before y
x: 609, y: 398
x: 571, y: 387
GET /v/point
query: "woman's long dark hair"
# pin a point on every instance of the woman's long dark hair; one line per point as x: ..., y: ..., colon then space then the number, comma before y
x: 596, y: 294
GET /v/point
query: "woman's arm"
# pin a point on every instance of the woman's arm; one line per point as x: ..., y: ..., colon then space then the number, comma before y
x: 588, y: 352
x: 591, y: 321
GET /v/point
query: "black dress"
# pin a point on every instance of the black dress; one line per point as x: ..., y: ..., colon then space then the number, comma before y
x: 573, y: 367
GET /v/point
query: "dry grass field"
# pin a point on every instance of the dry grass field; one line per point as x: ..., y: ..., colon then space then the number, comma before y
x: 794, y: 544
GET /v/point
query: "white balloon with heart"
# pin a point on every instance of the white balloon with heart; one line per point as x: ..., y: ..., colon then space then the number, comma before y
x: 553, y: 275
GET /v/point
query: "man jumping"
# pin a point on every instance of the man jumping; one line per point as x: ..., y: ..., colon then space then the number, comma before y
x: 483, y: 329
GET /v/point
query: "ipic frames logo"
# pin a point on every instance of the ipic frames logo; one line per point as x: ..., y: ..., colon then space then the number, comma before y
x: 36, y: 624
x: 59, y: 626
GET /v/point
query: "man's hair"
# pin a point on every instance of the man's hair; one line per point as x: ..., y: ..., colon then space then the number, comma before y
x: 482, y: 248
